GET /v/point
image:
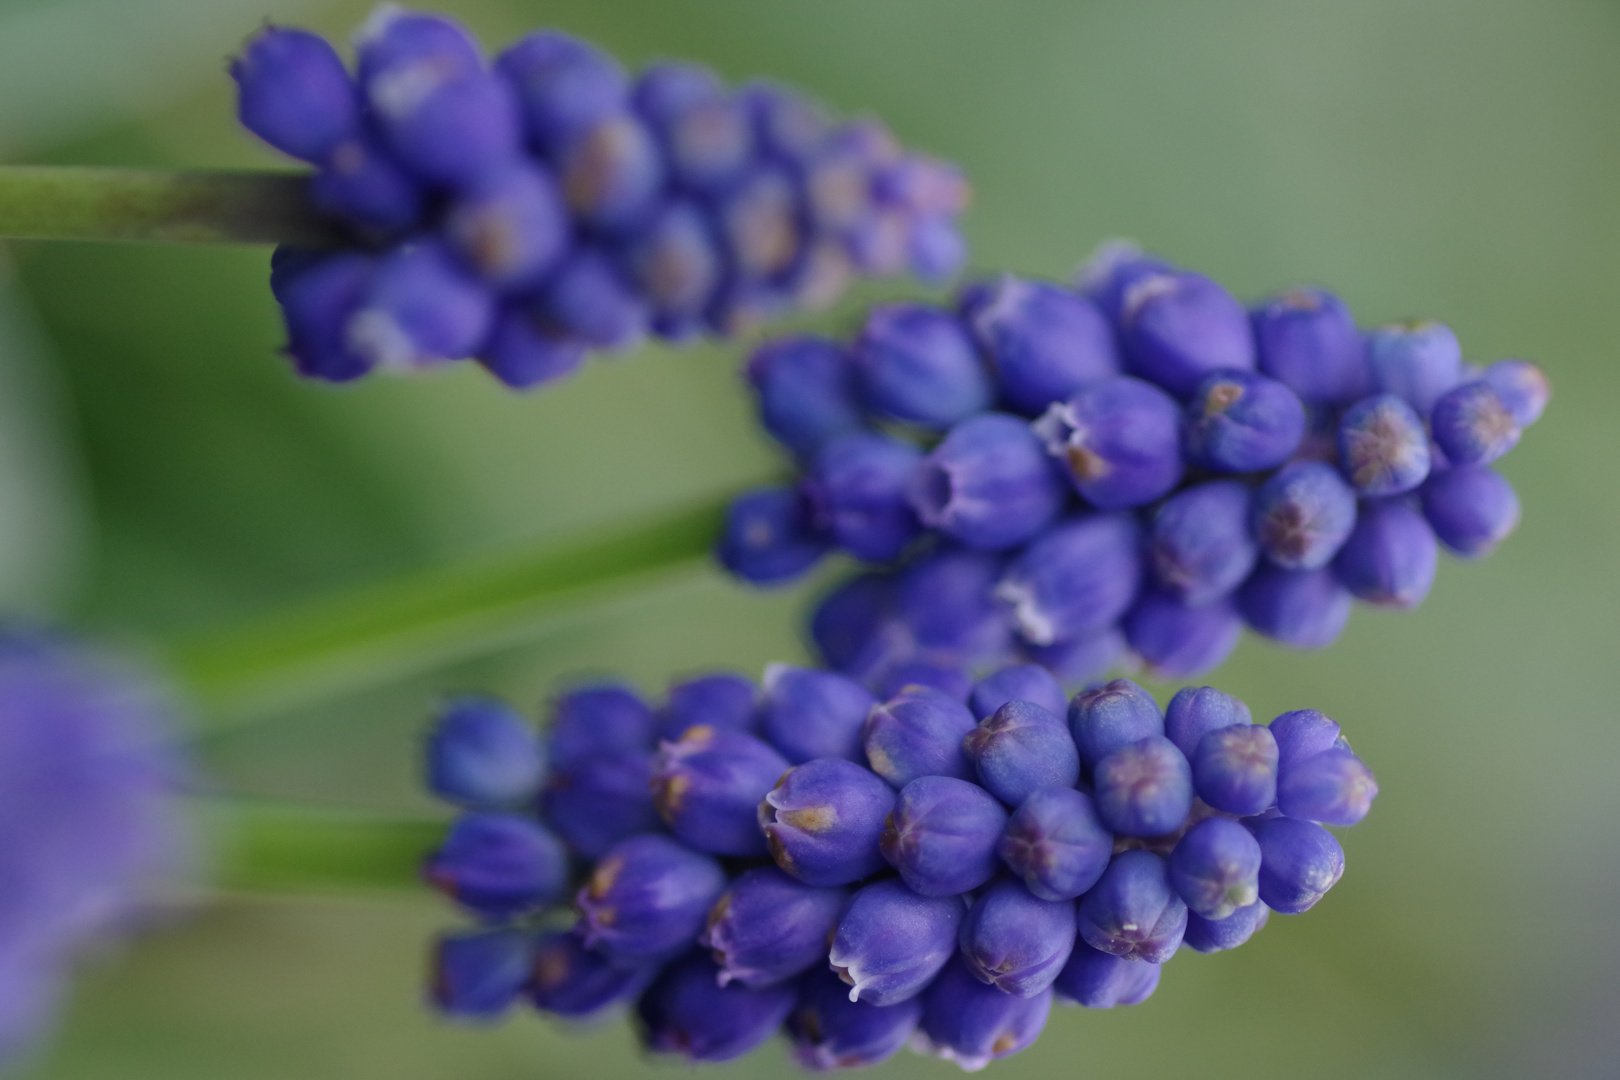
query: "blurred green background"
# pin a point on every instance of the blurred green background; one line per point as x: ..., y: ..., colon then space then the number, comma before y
x: 162, y: 473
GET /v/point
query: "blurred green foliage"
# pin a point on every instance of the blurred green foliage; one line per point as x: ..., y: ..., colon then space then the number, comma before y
x: 1451, y: 159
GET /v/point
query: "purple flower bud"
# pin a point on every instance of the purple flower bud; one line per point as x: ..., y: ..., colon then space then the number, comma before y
x: 1177, y: 327
x: 1081, y: 660
x: 759, y: 225
x: 1074, y: 580
x: 805, y: 389
x: 1303, y: 733
x: 498, y: 865
x: 612, y: 174
x: 564, y: 86
x: 1056, y: 843
x: 814, y: 714
x: 1213, y: 935
x: 948, y: 679
x: 361, y: 184
x: 1199, y: 542
x: 822, y: 821
x: 1299, y: 862
x: 393, y: 36
x: 972, y: 1024
x: 1144, y: 788
x: 573, y: 981
x: 1302, y: 515
x: 522, y: 353
x: 935, y: 248
x: 675, y: 263
x: 598, y: 802
x: 707, y: 788
x: 1304, y: 609
x: 1100, y: 980
x: 1119, y: 440
x: 770, y: 536
x: 588, y: 299
x: 1177, y: 641
x: 647, y: 898
x: 918, y: 732
x: 918, y: 365
x: 1307, y: 339
x: 1383, y: 447
x: 989, y: 484
x: 1017, y: 942
x: 1043, y: 342
x: 1018, y: 682
x: 1114, y: 266
x: 449, y: 126
x: 788, y: 125
x: 1195, y: 711
x: 768, y: 927
x: 829, y: 1031
x: 1473, y: 424
x: 420, y: 309
x: 1021, y: 747
x: 942, y: 835
x: 1390, y: 557
x: 509, y: 226
x: 1133, y: 912
x: 891, y: 942
x: 1241, y: 422
x: 483, y: 753
x: 599, y: 720
x: 880, y: 242
x: 1470, y: 509
x: 688, y: 1012
x: 1332, y: 787
x: 707, y: 135
x: 1414, y: 361
x: 1215, y: 868
x: 477, y: 975
x: 721, y: 699
x: 293, y: 93
x: 946, y: 604
x: 848, y: 623
x: 1107, y: 717
x: 858, y: 488
x: 838, y: 186
x: 318, y: 294
x: 1235, y: 768
x: 1523, y: 387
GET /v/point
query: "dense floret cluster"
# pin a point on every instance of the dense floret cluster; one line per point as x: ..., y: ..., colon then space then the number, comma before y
x: 529, y: 211
x: 934, y: 869
x: 1134, y: 466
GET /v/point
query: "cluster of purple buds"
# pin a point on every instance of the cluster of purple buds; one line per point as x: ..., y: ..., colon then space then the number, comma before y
x: 529, y: 211
x: 1133, y: 467
x: 931, y: 870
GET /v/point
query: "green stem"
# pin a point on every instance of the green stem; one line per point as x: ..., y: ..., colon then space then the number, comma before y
x: 272, y: 847
x: 40, y: 202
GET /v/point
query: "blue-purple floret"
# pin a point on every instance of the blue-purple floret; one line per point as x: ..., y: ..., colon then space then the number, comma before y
x: 1020, y: 748
x: 918, y: 732
x: 481, y: 752
x: 477, y: 975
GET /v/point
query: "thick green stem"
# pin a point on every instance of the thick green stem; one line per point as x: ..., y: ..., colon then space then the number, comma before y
x: 39, y: 202
x: 276, y: 847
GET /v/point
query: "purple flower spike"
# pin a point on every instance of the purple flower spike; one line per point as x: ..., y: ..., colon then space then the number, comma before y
x: 823, y: 819
x: 972, y: 1024
x: 612, y: 174
x: 768, y: 927
x: 1390, y: 558
x: 1332, y: 787
x: 1022, y: 747
x: 498, y: 865
x: 1199, y: 542
x: 1133, y: 912
x: 721, y: 699
x: 1100, y: 980
x: 1056, y: 843
x: 510, y: 226
x: 1119, y: 440
x: 891, y: 942
x: 829, y: 1031
x: 318, y: 294
x: 1302, y: 515
x: 1307, y: 339
x: 707, y: 788
x: 1107, y: 717
x: 1473, y: 424
x: 918, y: 732
x: 918, y: 366
x: 805, y: 390
x: 858, y: 488
x: 483, y: 753
x: 1235, y: 769
x: 688, y: 1012
x: 1082, y: 660
x: 1240, y: 422
x: 1470, y: 509
x: 1177, y: 641
x: 1214, y: 935
x: 814, y: 714
x: 1018, y: 682
x: 572, y: 981
x: 1303, y: 609
x: 600, y: 720
x: 989, y: 484
x: 1075, y: 580
x: 1043, y: 342
x: 596, y: 803
x: 1383, y: 446
x: 564, y: 87
x: 942, y: 835
x: 674, y: 262
x: 1144, y: 788
x: 1303, y: 733
x: 647, y: 898
x: 1018, y: 942
x: 477, y: 976
x: 1523, y: 387
x: 770, y: 536
x: 1215, y: 868
x: 293, y: 92
x: 1416, y: 362
x: 523, y: 353
x: 1195, y: 711
x: 1299, y: 862
x: 588, y: 298
x: 420, y: 309
x: 1179, y: 327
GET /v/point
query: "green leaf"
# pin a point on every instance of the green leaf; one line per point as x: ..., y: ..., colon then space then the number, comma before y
x: 277, y: 847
